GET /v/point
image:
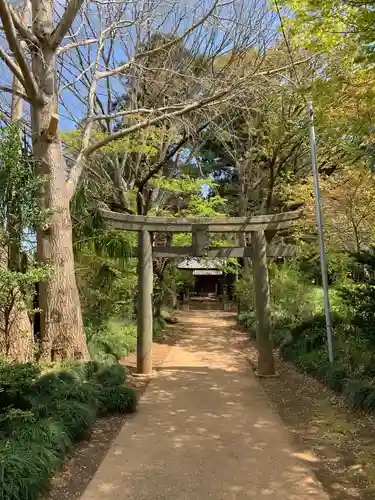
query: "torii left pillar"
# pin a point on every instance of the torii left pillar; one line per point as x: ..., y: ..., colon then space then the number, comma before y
x: 144, y: 319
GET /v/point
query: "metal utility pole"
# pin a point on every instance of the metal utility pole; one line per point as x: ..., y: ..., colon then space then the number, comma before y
x: 319, y: 222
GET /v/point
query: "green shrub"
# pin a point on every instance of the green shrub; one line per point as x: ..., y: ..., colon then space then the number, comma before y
x: 292, y: 297
x: 369, y: 368
x: 15, y: 384
x: 335, y: 376
x: 357, y: 392
x: 48, y: 431
x: 311, y: 333
x: 114, y: 341
x: 111, y: 375
x: 360, y: 300
x: 26, y: 469
x: 91, y: 368
x: 247, y: 320
x: 119, y: 399
x: 159, y: 325
x: 76, y: 417
x: 308, y: 362
x: 53, y: 383
x: 307, y: 348
x: 77, y: 368
x: 14, y: 419
x: 64, y: 386
x: 280, y: 334
x: 167, y: 316
x: 54, y: 410
x: 300, y: 330
x: 244, y: 292
x: 369, y: 403
x: 287, y: 350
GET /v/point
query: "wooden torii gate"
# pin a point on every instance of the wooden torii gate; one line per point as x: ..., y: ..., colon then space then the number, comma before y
x: 200, y: 229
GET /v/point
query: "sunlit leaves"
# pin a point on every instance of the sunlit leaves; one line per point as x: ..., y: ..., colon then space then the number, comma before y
x: 348, y: 202
x: 145, y: 141
x: 183, y: 184
x: 19, y: 185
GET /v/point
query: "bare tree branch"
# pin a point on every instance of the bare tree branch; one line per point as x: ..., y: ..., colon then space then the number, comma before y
x: 65, y: 23
x: 283, y: 68
x: 164, y: 47
x: 74, y: 45
x: 28, y: 80
x: 217, y: 96
x: 87, y: 129
x: 9, y: 90
x: 138, y: 111
x: 11, y: 65
x: 22, y: 29
x: 139, y: 126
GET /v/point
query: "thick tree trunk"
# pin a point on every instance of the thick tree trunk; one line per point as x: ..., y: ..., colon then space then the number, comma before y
x: 62, y: 333
x: 16, y: 341
x: 20, y: 345
x: 19, y: 339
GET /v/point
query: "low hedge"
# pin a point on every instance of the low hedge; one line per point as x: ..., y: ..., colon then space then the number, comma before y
x: 248, y: 321
x: 305, y: 346
x: 43, y: 413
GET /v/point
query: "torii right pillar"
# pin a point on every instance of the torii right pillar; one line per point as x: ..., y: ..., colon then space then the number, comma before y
x: 266, y: 364
x: 144, y: 313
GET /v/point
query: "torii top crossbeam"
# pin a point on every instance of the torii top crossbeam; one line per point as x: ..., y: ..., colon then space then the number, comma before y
x: 211, y: 225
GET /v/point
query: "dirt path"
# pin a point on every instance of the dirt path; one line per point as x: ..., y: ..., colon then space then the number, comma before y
x: 204, y: 430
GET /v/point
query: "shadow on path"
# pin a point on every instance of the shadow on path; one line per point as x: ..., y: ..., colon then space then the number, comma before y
x: 204, y: 430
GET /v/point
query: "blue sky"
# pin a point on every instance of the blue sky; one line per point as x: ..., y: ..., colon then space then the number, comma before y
x: 165, y: 21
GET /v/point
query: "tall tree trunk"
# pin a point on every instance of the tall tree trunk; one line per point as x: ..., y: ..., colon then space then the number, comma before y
x: 62, y: 332
x: 17, y: 330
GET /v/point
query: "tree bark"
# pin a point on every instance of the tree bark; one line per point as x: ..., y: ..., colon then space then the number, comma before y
x: 266, y: 365
x: 20, y: 338
x: 15, y: 328
x: 16, y: 325
x: 62, y: 333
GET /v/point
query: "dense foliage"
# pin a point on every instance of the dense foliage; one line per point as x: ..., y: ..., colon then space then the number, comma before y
x: 299, y: 328
x: 43, y: 413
